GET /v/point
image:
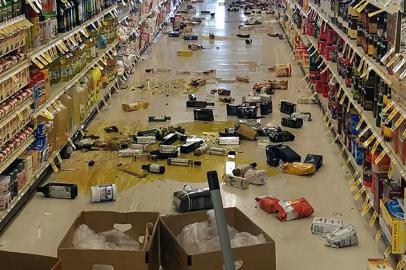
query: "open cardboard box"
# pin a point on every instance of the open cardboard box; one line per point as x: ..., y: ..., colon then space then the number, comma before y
x: 23, y: 261
x: 99, y: 221
x: 174, y: 256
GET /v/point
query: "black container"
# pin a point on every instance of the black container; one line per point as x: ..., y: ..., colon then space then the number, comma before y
x: 150, y: 132
x: 232, y: 109
x: 198, y: 104
x: 247, y: 112
x: 188, y: 200
x: 272, y: 155
x: 291, y: 122
x: 287, y: 154
x: 156, y: 154
x: 281, y: 136
x: 203, y: 114
x: 316, y: 160
x: 265, y: 108
x: 287, y: 107
x: 169, y: 139
x: 265, y: 131
x: 190, y: 147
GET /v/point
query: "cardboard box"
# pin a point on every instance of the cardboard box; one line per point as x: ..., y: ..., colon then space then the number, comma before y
x: 397, y: 230
x: 99, y: 221
x: 174, y: 256
x: 22, y: 261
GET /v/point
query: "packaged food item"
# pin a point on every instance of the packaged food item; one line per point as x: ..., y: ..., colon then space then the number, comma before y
x: 299, y: 168
x: 236, y: 181
x: 256, y: 177
x: 242, y: 169
x: 282, y: 70
x: 344, y: 237
x: 322, y: 225
x: 286, y: 209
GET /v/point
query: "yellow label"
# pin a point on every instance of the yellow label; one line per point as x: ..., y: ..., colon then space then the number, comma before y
x: 37, y: 63
x: 366, y: 207
x: 42, y: 60
x: 47, y: 57
x: 59, y: 158
x: 342, y: 99
x: 378, y: 235
x: 373, y: 219
x: 54, y: 168
x: 392, y: 114
x: 359, y: 124
x: 376, y: 144
x: 355, y: 185
x: 398, y: 122
x: 380, y: 157
x: 60, y: 48
x: 63, y: 46
x: 362, y: 133
x: 369, y: 141
x: 359, y: 193
x: 387, y: 107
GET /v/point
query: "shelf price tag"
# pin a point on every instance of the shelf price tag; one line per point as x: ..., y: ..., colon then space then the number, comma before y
x: 391, y: 116
x: 359, y: 124
x: 372, y: 221
x: 53, y: 165
x: 398, y: 122
x: 387, y: 252
x: 354, y: 185
x: 359, y: 193
x: 366, y: 207
x: 369, y: 141
x: 59, y: 158
x: 38, y: 63
x: 378, y: 235
x: 342, y: 99
x: 362, y: 133
x: 387, y: 107
x: 380, y: 157
x: 375, y: 146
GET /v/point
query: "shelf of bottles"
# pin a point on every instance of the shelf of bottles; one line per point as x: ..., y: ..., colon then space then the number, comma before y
x: 343, y: 69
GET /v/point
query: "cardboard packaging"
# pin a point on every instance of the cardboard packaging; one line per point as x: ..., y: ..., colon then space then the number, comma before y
x: 99, y: 221
x: 379, y: 264
x: 397, y: 230
x: 20, y: 261
x: 174, y: 256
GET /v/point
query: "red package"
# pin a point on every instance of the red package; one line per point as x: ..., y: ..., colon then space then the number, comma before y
x: 286, y: 209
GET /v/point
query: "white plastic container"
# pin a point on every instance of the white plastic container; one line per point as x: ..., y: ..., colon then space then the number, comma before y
x: 229, y: 140
x: 146, y: 139
x: 104, y: 193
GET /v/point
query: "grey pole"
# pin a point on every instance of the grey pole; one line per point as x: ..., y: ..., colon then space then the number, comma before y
x: 221, y: 221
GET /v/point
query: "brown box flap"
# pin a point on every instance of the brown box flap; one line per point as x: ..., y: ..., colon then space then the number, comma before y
x: 23, y: 261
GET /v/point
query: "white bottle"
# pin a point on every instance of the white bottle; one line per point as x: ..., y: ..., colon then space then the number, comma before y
x: 104, y: 193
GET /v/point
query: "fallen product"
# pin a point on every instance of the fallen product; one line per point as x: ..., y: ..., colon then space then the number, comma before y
x: 129, y: 152
x: 190, y: 199
x: 167, y: 148
x: 323, y: 225
x: 203, y: 114
x: 111, y: 129
x: 197, y: 82
x: 59, y: 190
x: 169, y: 139
x: 174, y: 34
x: 158, y: 155
x: 247, y: 112
x: 265, y: 108
x: 190, y: 37
x: 104, y: 193
x: 194, y: 46
x: 286, y: 209
x: 291, y: 122
x: 129, y: 107
x: 272, y: 157
x: 298, y: 168
x: 218, y: 151
x: 203, y: 149
x: 243, y: 35
x: 278, y: 136
x: 184, y: 53
x: 246, y: 131
x: 198, y: 104
x: 265, y: 131
x: 228, y: 140
x: 159, y: 118
x: 232, y: 109
x: 236, y: 181
x: 343, y: 237
x: 242, y: 169
x: 248, y: 41
x: 228, y: 132
x: 256, y: 177
x: 151, y: 132
x: 316, y: 160
x: 190, y: 147
x: 154, y: 168
x: 287, y: 107
x: 282, y: 70
x: 145, y: 139
x: 379, y: 264
x: 184, y: 162
x: 286, y: 154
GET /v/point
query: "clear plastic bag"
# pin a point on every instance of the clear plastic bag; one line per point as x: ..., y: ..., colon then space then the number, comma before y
x: 86, y: 238
x: 203, y: 237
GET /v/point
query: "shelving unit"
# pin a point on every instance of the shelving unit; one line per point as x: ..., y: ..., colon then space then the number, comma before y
x: 57, y: 91
x: 367, y: 117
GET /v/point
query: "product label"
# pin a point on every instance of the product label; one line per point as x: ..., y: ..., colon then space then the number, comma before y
x: 106, y: 193
x: 60, y: 192
x: 154, y: 168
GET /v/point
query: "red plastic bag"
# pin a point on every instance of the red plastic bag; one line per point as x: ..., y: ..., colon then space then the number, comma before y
x: 286, y: 209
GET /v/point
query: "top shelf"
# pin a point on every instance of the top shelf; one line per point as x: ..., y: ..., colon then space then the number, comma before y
x: 65, y: 36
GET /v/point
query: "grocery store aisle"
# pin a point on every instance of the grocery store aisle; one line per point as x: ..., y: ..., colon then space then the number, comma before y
x: 43, y: 222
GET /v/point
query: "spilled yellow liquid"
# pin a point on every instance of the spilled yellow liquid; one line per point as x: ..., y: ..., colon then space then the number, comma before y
x: 107, y: 163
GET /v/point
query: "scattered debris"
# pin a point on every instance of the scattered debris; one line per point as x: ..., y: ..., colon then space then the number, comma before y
x: 298, y: 168
x: 159, y: 118
x: 185, y: 53
x: 243, y: 35
x: 242, y: 79
x: 195, y: 46
x: 282, y: 70
x: 248, y: 41
x: 197, y: 82
x: 91, y: 163
x: 111, y: 129
x: 286, y: 209
x: 134, y: 106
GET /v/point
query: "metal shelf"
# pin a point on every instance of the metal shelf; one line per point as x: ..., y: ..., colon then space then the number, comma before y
x: 65, y: 36
x: 61, y: 88
x: 16, y: 153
